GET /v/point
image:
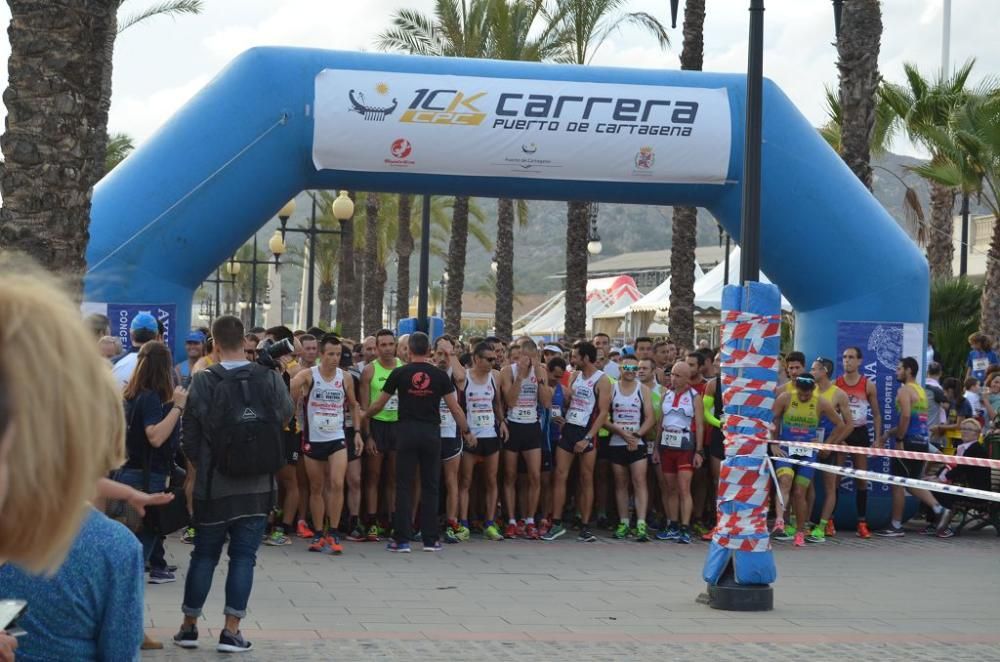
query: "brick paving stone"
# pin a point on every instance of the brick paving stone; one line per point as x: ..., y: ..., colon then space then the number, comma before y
x: 901, y: 599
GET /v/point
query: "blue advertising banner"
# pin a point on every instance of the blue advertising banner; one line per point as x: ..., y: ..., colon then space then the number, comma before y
x: 882, y: 345
x: 122, y: 314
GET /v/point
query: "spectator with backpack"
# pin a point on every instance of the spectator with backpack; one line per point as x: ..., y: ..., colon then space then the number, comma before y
x: 232, y: 435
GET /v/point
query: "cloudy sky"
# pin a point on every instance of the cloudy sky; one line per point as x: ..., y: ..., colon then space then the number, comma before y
x: 161, y: 64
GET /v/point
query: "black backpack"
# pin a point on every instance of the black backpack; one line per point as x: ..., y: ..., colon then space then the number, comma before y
x: 245, y: 431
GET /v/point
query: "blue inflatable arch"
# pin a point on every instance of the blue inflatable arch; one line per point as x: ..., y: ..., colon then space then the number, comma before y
x: 228, y: 160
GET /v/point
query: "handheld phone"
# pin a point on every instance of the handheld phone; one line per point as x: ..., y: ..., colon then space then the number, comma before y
x: 10, y: 611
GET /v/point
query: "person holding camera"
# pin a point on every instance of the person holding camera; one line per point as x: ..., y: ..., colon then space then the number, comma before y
x: 232, y: 435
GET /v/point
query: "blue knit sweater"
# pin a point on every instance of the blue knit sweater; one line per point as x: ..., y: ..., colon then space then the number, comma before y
x: 92, y: 608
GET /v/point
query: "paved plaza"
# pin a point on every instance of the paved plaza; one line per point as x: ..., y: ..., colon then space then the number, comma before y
x: 913, y: 598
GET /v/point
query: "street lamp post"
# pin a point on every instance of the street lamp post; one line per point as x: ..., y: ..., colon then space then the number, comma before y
x: 342, y: 208
x: 218, y: 281
x: 750, y: 220
x: 423, y: 323
x: 594, y: 246
x: 277, y: 247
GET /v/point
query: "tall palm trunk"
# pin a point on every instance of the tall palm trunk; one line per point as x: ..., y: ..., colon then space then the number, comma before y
x: 940, y: 243
x: 325, y: 292
x: 56, y: 134
x: 373, y: 296
x: 404, y: 249
x: 858, y: 49
x: 577, y: 232
x: 504, y: 313
x: 456, y: 266
x: 990, y: 302
x: 348, y: 315
x: 359, y: 290
x: 685, y: 219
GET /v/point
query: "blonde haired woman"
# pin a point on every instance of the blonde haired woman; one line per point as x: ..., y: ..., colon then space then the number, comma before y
x: 80, y: 572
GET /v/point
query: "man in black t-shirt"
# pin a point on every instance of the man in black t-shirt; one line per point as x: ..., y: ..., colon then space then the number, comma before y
x: 420, y: 387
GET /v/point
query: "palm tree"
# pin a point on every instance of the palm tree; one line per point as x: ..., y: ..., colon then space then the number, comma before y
x: 459, y: 28
x: 968, y: 152
x: 510, y: 25
x: 404, y: 249
x: 925, y: 107
x: 684, y: 224
x: 372, y: 316
x: 581, y: 26
x: 858, y: 48
x: 54, y: 151
x: 119, y: 146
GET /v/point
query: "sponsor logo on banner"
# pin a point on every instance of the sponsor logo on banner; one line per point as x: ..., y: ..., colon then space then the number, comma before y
x: 399, y: 150
x: 645, y: 158
x: 474, y: 126
x: 371, y: 113
x: 883, y: 345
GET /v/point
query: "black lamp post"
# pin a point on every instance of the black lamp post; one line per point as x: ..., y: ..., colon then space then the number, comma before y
x: 838, y: 9
x: 312, y: 232
x: 218, y: 281
x: 254, y: 263
x: 423, y: 324
x: 750, y: 220
x: 725, y: 274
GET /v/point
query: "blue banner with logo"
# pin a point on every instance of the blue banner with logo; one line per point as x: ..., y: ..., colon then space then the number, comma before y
x: 882, y: 345
x: 122, y: 314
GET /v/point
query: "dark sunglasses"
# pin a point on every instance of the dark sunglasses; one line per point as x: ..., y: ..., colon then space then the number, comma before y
x: 630, y: 368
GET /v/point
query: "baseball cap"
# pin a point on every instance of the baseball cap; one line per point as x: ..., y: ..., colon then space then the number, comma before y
x: 195, y: 336
x: 552, y: 348
x: 145, y: 321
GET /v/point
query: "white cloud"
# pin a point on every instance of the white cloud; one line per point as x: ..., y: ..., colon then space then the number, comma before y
x: 142, y: 116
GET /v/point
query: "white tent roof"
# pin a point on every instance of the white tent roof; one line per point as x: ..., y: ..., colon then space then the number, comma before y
x: 602, y: 295
x: 708, y: 289
x: 659, y: 297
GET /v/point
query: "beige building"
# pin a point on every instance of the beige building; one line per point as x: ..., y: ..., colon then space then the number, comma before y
x: 980, y: 234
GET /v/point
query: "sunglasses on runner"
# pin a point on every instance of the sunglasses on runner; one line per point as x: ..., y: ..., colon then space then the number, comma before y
x: 630, y: 368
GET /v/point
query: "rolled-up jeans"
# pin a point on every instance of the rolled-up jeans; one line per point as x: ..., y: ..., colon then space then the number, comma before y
x: 157, y: 483
x: 244, y: 540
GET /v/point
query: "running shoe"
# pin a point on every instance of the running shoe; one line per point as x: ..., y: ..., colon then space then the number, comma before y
x: 817, y: 535
x: 621, y: 531
x: 800, y: 539
x: 398, y: 547
x: 586, y: 535
x: 669, y: 533
x: 863, y: 531
x: 160, y: 576
x: 187, y: 636
x: 699, y: 528
x: 436, y: 547
x: 462, y: 533
x: 531, y: 532
x: 302, y: 530
x: 557, y: 531
x: 891, y: 532
x: 684, y: 537
x: 929, y: 530
x: 946, y: 532
x: 450, y: 536
x: 943, y: 519
x: 520, y: 528
x: 333, y: 543
x: 492, y: 533
x: 707, y: 536
x: 319, y: 544
x: 373, y: 533
x: 357, y: 534
x: 188, y: 536
x: 641, y: 532
x: 416, y: 536
x: 277, y: 539
x: 511, y: 531
x: 232, y: 643
x: 831, y: 531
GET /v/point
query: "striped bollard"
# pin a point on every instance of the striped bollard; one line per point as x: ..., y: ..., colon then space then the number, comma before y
x: 740, y: 566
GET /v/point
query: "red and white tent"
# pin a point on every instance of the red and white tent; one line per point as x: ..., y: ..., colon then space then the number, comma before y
x: 603, y: 295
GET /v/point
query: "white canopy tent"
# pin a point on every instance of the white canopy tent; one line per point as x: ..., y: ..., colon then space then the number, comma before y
x: 640, y: 315
x: 708, y: 290
x: 602, y: 294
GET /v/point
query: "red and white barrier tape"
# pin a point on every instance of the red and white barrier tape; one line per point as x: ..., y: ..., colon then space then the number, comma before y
x: 900, y: 480
x: 904, y: 455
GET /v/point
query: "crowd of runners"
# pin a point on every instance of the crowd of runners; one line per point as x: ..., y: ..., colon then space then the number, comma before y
x: 553, y: 438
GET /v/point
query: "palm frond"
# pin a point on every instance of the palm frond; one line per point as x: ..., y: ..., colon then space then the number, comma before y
x: 171, y: 8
